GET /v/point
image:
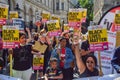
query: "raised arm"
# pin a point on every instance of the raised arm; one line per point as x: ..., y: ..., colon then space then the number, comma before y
x: 29, y: 35
x: 80, y: 64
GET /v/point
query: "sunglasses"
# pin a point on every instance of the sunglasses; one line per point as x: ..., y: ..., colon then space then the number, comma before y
x: 90, y: 62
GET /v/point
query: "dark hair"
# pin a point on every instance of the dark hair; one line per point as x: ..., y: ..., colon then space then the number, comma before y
x: 62, y: 38
x: 94, y: 58
x: 21, y: 34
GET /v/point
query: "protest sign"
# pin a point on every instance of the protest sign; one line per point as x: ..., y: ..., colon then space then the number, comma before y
x: 55, y: 17
x: 98, y: 39
x: 10, y: 36
x: 38, y: 62
x: 66, y: 28
x: 117, y: 20
x: 53, y: 27
x: 40, y: 47
x: 3, y: 11
x: 19, y: 22
x: 3, y: 14
x: 76, y: 17
x: 13, y: 14
x: 45, y: 16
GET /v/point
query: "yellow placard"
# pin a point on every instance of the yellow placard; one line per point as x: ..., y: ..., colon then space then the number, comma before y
x: 66, y: 27
x: 10, y: 34
x: 74, y: 16
x: 117, y: 19
x: 38, y: 62
x: 46, y: 15
x: 53, y: 25
x: 13, y: 14
x: 55, y: 18
x: 97, y: 36
x: 3, y: 11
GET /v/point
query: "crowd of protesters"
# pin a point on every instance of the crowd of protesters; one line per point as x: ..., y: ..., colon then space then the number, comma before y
x: 65, y: 54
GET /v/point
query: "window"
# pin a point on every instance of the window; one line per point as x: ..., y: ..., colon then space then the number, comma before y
x: 62, y: 5
x: 57, y: 5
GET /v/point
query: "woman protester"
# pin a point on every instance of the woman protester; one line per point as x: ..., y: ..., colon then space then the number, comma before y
x: 22, y: 57
x: 89, y: 68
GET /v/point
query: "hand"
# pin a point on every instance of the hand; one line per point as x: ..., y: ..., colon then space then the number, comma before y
x: 27, y: 29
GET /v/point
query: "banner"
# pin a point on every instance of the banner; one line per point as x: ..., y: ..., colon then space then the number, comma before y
x: 53, y: 27
x: 10, y: 36
x: 45, y: 16
x: 107, y: 20
x: 13, y: 14
x: 98, y: 39
x: 19, y: 22
x: 38, y: 62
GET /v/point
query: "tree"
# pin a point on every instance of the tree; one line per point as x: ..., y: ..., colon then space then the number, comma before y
x: 89, y: 5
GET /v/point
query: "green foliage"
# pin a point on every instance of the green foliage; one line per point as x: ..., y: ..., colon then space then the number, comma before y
x: 89, y: 5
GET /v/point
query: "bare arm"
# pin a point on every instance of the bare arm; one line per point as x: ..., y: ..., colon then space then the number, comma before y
x: 80, y: 64
x: 29, y: 35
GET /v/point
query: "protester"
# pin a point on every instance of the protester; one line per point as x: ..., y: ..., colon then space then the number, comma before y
x: 116, y: 60
x: 53, y: 72
x: 89, y: 68
x: 22, y: 57
x: 44, y: 39
x: 65, y: 58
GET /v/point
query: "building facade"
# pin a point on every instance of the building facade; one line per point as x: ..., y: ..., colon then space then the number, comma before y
x: 29, y: 8
x: 97, y: 10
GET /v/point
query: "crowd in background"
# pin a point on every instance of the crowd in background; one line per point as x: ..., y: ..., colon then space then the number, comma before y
x: 66, y: 54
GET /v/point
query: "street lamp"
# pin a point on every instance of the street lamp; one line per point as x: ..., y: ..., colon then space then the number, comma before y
x: 18, y: 10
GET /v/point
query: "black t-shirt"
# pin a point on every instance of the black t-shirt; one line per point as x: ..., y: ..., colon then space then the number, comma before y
x: 22, y: 57
x: 53, y: 72
x: 88, y: 73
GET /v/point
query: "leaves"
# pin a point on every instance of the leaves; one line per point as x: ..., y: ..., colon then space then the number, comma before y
x: 89, y: 5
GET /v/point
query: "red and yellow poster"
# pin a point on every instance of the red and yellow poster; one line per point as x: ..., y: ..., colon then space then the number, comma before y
x: 55, y: 17
x: 76, y: 16
x: 10, y: 36
x: 45, y: 16
x: 66, y: 28
x: 98, y: 39
x: 38, y: 62
x: 53, y: 27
